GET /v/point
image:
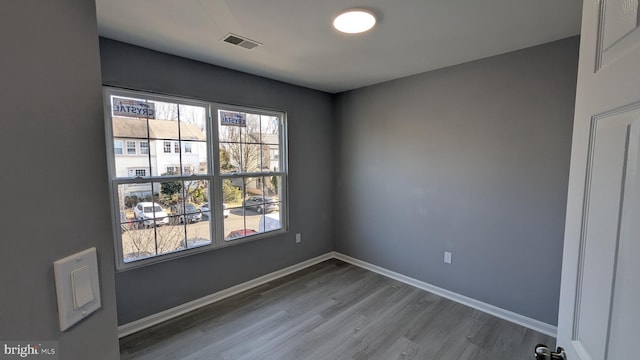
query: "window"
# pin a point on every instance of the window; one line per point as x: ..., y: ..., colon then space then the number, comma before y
x: 117, y: 147
x: 144, y: 147
x: 252, y: 181
x: 169, y: 204
x: 131, y: 147
x: 137, y: 172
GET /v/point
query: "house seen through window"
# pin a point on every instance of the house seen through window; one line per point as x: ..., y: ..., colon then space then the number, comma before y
x: 169, y: 202
x: 144, y: 147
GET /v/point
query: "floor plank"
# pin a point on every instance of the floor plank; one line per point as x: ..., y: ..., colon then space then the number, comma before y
x: 334, y: 310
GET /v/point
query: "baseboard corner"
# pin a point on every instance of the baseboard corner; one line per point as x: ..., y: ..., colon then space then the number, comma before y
x: 504, y: 314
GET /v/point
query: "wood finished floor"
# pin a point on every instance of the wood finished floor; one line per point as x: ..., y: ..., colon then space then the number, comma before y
x: 330, y: 311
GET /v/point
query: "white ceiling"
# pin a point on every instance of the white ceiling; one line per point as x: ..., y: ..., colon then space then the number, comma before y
x: 301, y: 47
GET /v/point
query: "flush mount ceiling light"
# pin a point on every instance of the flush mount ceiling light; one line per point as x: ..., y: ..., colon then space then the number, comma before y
x: 354, y: 21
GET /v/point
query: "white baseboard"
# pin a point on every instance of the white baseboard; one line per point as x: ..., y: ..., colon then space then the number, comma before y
x: 168, y: 314
x: 527, y: 322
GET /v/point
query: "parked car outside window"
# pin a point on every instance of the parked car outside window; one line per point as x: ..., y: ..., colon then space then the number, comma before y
x: 150, y: 214
x: 206, y: 212
x: 260, y: 204
x: 235, y: 234
x: 186, y: 213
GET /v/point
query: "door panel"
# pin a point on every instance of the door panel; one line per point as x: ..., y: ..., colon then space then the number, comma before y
x: 605, y: 198
x: 619, y: 31
x: 621, y: 17
x: 601, y: 258
x: 626, y: 290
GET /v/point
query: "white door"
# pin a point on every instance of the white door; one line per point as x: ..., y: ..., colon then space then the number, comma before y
x: 600, y: 295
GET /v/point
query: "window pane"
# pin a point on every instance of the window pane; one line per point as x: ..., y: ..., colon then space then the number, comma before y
x: 165, y: 110
x: 169, y: 239
x: 162, y: 217
x: 144, y: 147
x: 131, y: 164
x: 270, y: 128
x: 253, y: 147
x: 251, y: 158
x: 186, y: 213
x: 232, y: 195
x: 131, y: 147
x: 129, y: 124
x: 265, y: 158
x: 193, y: 123
x: 129, y: 127
x: 117, y: 147
x: 138, y: 243
x: 272, y: 188
x: 131, y: 194
x: 254, y: 188
x: 252, y: 130
x: 168, y: 192
x: 231, y: 126
x: 252, y: 221
x: 198, y: 234
x: 196, y: 191
x: 270, y: 222
x: 163, y: 129
x: 198, y: 157
x: 193, y: 161
x: 240, y: 157
x: 229, y: 157
x: 137, y: 217
x: 274, y: 160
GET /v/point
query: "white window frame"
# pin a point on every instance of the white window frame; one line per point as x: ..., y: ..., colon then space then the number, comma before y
x: 214, y: 177
x: 136, y: 172
x: 144, y: 150
x: 134, y: 148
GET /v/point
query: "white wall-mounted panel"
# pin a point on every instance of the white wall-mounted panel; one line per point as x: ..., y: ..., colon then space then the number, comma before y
x: 77, y: 287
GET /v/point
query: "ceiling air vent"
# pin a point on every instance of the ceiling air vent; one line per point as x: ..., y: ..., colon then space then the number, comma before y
x: 243, y: 42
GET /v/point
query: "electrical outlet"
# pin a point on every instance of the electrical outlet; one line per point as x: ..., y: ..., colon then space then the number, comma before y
x: 447, y: 257
x: 298, y: 238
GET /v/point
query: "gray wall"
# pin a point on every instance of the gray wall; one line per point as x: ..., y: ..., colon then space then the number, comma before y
x: 471, y: 159
x: 54, y: 199
x: 148, y: 290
